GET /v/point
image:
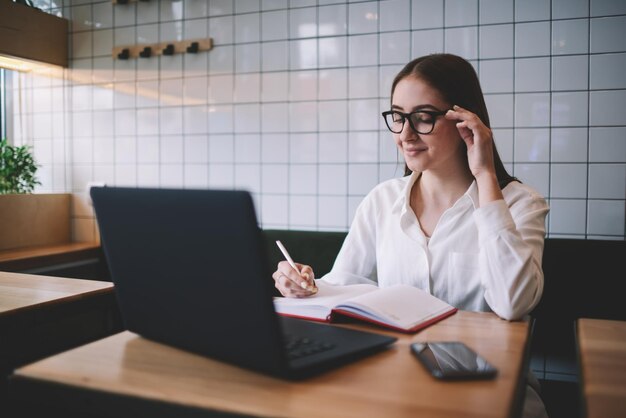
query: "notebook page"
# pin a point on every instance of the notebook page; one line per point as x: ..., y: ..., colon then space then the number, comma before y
x: 320, y: 305
x: 402, y: 306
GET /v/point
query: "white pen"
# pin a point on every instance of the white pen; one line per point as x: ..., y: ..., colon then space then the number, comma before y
x: 283, y: 250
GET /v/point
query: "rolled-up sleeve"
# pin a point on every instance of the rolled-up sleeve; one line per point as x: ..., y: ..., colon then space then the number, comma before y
x: 356, y: 261
x: 511, y: 240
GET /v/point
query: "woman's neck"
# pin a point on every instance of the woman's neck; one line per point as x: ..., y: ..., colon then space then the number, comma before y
x: 442, y: 189
x: 432, y: 195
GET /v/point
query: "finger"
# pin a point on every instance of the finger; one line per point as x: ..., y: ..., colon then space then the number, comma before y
x: 469, y: 117
x: 466, y: 134
x: 307, y: 273
x: 285, y: 268
x: 460, y: 109
x: 465, y: 126
x: 459, y: 113
x: 288, y: 288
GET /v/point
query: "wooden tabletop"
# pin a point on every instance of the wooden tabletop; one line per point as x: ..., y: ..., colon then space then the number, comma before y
x: 41, y: 316
x: 35, y: 257
x: 602, y: 345
x: 20, y: 292
x: 388, y: 384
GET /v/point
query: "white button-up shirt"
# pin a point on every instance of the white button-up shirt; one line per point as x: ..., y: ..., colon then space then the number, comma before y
x: 477, y: 259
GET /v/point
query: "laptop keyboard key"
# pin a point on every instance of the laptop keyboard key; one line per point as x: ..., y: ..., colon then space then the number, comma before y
x: 298, y: 347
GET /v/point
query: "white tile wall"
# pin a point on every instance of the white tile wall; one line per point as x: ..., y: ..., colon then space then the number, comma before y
x: 532, y: 39
x: 532, y: 74
x: 607, y: 145
x: 395, y: 15
x: 605, y: 217
x: 496, y: 11
x: 532, y: 145
x: 363, y: 17
x: 332, y: 20
x: 570, y: 72
x: 427, y: 14
x: 496, y: 41
x: 607, y: 181
x: 570, y: 37
x: 568, y: 216
x: 568, y: 145
x: 608, y: 34
x: 568, y: 181
x: 607, y: 71
x: 462, y: 41
x: 536, y: 175
x: 288, y: 102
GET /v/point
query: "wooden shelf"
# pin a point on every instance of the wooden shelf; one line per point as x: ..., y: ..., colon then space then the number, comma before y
x: 29, y: 33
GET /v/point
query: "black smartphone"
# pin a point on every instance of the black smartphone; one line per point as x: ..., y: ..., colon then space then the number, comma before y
x: 452, y: 360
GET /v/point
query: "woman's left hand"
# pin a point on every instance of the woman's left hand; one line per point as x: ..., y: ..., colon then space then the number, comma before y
x: 477, y: 137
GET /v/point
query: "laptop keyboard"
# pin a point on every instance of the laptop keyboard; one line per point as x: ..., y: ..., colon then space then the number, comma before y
x: 298, y: 347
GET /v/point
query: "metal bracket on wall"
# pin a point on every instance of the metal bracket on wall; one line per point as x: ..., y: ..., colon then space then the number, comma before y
x: 191, y: 46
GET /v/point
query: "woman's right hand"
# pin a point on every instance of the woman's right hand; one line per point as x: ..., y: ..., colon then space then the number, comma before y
x: 290, y: 283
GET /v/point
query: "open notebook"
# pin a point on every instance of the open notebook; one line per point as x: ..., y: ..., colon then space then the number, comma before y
x: 402, y: 308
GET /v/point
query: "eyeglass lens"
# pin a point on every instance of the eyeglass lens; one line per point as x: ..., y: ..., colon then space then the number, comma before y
x: 421, y: 122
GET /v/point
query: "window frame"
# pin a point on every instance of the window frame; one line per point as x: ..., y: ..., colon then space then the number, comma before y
x: 3, y: 103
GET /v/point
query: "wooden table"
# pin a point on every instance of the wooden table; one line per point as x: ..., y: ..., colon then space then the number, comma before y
x: 126, y: 375
x: 42, y: 315
x: 31, y: 258
x: 602, y: 355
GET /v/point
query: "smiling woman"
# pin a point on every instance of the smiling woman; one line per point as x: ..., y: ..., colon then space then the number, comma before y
x: 457, y: 225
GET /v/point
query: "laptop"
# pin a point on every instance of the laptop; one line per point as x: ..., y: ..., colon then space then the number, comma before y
x: 190, y: 270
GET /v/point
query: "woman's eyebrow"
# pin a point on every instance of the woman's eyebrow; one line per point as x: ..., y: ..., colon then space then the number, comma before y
x: 418, y: 107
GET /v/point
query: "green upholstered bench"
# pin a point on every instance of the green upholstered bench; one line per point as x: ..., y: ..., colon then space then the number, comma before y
x: 581, y: 280
x: 315, y: 248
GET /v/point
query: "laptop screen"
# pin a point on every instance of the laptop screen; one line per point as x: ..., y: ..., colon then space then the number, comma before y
x: 189, y: 269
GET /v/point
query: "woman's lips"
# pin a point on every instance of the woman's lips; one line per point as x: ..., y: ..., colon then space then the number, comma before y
x: 413, y: 151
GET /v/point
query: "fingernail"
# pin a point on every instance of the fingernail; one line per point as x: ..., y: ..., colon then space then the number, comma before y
x: 304, y: 285
x: 455, y: 107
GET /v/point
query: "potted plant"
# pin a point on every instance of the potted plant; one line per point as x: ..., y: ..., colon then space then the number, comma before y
x: 28, y: 219
x: 17, y: 169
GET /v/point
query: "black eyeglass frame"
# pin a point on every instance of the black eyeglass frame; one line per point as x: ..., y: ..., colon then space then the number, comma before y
x: 407, y: 116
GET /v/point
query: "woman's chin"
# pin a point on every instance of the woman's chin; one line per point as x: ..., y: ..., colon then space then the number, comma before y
x: 414, y: 166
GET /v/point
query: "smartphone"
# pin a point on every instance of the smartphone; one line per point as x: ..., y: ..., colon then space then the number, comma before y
x: 452, y: 360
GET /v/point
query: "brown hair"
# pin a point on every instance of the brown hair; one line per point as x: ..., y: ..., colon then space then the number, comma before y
x: 457, y: 82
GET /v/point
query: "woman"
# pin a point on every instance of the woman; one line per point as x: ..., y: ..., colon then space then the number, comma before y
x: 457, y: 225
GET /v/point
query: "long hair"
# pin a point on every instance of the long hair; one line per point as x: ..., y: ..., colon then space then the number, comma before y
x: 455, y: 79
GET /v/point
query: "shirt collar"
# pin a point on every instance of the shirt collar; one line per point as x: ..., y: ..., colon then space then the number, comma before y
x: 402, y: 203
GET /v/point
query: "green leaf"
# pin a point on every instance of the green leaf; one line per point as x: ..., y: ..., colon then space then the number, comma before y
x: 17, y: 169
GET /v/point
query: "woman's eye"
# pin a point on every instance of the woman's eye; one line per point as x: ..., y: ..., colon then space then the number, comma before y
x: 422, y: 118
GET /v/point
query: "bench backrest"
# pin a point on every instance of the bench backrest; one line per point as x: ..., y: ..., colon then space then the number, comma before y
x: 315, y: 248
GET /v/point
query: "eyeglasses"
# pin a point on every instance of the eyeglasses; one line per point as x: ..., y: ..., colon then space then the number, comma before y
x: 421, y: 121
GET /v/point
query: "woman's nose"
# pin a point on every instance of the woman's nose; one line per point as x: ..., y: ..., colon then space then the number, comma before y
x: 407, y: 133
